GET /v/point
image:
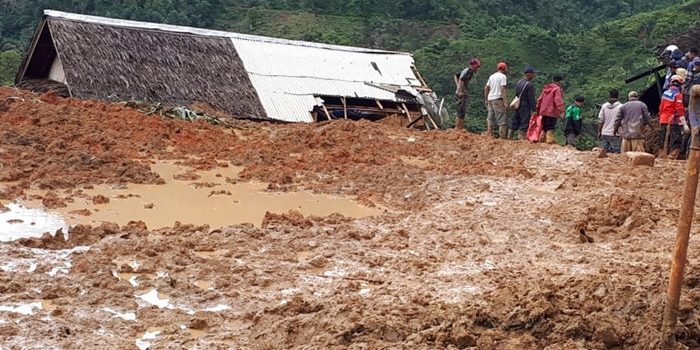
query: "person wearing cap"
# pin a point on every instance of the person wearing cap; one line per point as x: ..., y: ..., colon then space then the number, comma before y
x: 496, y: 101
x: 672, y: 119
x: 525, y: 90
x: 606, y: 123
x: 630, y: 121
x: 462, y: 81
x: 550, y: 105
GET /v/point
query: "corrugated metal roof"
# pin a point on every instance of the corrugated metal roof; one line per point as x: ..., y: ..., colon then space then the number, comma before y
x: 288, y: 74
x: 288, y: 77
x: 291, y: 99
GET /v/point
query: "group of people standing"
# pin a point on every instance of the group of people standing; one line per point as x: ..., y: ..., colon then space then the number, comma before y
x: 682, y: 74
x: 620, y: 124
x: 549, y: 106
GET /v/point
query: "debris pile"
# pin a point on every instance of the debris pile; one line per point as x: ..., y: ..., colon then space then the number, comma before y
x: 480, y: 246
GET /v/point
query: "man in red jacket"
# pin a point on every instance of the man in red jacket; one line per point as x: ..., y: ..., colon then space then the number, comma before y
x: 550, y: 105
x: 672, y: 118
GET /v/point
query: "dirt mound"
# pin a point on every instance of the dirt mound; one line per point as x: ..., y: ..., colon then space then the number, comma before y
x: 297, y: 219
x: 83, y: 235
x: 57, y: 143
x: 618, y: 218
x: 61, y: 143
x: 480, y: 245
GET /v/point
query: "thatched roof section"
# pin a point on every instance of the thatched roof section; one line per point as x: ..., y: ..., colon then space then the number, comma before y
x: 45, y: 85
x: 121, y: 64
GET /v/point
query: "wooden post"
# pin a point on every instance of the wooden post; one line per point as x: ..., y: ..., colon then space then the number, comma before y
x: 413, y: 122
x: 432, y: 121
x: 680, y: 250
x: 419, y: 76
x: 379, y: 104
x: 408, y: 114
x: 345, y: 108
x: 328, y: 115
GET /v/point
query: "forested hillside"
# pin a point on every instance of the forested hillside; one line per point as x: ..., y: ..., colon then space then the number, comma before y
x: 595, y: 44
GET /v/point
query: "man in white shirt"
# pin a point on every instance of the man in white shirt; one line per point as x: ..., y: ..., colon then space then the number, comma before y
x: 496, y: 101
x: 606, y: 119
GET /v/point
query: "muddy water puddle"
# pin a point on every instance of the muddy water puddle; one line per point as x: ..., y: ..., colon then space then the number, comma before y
x: 135, y: 279
x: 20, y: 222
x: 27, y: 309
x: 197, y: 333
x: 203, y: 197
x: 204, y: 285
x: 145, y: 340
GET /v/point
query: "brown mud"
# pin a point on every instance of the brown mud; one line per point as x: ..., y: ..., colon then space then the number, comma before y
x: 486, y: 245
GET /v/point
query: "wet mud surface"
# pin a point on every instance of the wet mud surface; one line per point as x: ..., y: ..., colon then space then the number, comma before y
x: 485, y: 245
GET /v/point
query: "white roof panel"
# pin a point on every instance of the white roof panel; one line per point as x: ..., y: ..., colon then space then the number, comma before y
x: 286, y: 76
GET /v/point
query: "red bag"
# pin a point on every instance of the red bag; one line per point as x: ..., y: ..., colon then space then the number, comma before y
x: 535, y: 128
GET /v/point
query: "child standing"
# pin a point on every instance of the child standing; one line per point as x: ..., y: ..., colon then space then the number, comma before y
x: 572, y: 126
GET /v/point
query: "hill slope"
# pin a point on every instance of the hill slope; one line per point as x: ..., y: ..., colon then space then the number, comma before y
x: 585, y: 40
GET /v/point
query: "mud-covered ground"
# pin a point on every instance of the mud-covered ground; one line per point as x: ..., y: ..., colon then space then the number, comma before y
x: 481, y: 247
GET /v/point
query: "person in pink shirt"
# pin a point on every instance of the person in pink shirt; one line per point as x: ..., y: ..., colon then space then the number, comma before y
x: 550, y: 105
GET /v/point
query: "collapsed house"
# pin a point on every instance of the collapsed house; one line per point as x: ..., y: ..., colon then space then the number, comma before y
x: 246, y: 76
x: 652, y: 95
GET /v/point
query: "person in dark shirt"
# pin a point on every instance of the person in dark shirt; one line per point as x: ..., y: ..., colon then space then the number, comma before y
x: 692, y: 78
x: 462, y: 81
x: 525, y: 90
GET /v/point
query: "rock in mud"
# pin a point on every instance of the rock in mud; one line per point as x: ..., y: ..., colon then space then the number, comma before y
x: 52, y: 201
x: 599, y: 152
x: 639, y: 158
x: 198, y: 323
x: 81, y: 212
x: 100, y: 199
x: 188, y: 176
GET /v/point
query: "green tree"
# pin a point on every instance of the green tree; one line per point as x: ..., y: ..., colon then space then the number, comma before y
x: 9, y: 63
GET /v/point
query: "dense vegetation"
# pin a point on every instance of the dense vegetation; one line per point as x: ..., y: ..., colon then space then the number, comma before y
x: 595, y: 44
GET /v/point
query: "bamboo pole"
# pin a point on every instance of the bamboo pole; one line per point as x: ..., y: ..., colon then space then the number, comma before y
x: 680, y: 250
x: 430, y: 118
x: 414, y: 121
x: 328, y: 115
x: 345, y: 108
